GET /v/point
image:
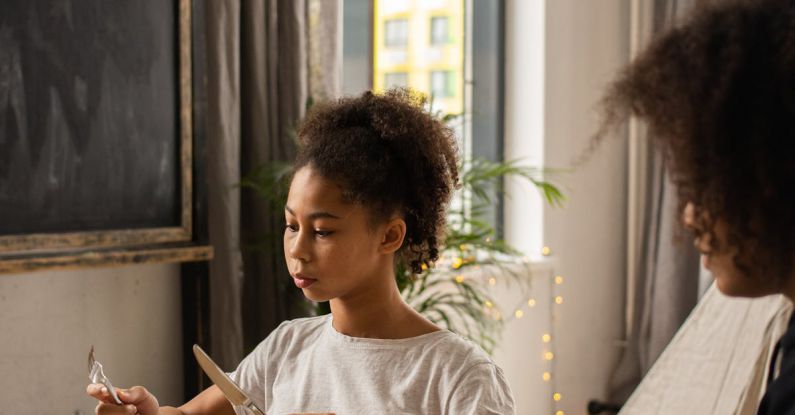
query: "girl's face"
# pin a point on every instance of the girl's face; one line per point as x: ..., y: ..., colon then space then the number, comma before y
x: 331, y: 249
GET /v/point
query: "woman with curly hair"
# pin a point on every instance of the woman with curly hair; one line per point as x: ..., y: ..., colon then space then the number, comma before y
x: 372, y: 180
x: 718, y: 96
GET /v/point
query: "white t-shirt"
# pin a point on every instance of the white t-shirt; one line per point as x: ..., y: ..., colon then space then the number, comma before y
x: 305, y: 365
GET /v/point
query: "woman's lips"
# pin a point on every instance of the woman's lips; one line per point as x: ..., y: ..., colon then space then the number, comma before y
x: 303, y: 282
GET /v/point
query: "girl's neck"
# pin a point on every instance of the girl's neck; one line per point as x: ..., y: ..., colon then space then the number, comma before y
x: 378, y: 312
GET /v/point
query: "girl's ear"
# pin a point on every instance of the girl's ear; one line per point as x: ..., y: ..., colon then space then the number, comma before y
x: 393, y: 235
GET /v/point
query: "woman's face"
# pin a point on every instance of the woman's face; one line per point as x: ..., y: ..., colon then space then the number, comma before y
x: 331, y: 249
x: 729, y: 279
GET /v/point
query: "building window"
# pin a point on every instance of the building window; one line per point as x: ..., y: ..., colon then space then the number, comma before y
x: 440, y: 33
x: 442, y: 85
x: 396, y: 79
x: 396, y: 33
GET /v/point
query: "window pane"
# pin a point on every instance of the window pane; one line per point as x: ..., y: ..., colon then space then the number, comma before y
x: 439, y: 34
x: 442, y: 84
x: 396, y: 33
x: 420, y: 38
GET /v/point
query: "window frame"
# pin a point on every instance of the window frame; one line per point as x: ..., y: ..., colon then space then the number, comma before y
x: 404, y: 40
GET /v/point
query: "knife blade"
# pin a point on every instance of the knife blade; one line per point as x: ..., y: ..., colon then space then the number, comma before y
x: 233, y: 393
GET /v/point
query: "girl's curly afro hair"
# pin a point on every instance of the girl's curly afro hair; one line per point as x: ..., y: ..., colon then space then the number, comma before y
x: 718, y: 95
x: 390, y: 155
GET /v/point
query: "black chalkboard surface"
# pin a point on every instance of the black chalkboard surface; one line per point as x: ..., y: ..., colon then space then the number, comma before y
x: 95, y: 123
x: 88, y: 115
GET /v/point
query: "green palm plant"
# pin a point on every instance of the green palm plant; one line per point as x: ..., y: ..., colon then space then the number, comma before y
x: 448, y: 294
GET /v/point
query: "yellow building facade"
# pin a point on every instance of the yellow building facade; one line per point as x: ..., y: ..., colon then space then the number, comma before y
x: 420, y: 44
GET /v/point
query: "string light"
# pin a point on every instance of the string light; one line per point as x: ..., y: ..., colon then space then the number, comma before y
x: 457, y: 262
x: 491, y: 310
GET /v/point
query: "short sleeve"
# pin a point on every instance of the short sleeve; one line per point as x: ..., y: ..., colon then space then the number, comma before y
x: 482, y: 389
x: 253, y: 373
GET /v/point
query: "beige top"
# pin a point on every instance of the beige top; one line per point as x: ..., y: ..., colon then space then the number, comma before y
x: 305, y: 365
x: 717, y: 362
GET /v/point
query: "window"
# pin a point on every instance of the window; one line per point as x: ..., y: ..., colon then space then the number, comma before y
x: 396, y: 33
x: 440, y: 33
x: 393, y: 79
x: 442, y: 84
x: 462, y: 68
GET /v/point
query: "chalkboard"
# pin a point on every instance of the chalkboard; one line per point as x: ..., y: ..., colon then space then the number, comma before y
x: 95, y: 118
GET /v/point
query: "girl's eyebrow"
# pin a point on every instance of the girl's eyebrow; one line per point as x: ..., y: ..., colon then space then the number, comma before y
x: 314, y: 215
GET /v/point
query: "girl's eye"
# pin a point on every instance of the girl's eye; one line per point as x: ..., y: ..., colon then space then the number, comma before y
x: 291, y: 228
x: 323, y: 234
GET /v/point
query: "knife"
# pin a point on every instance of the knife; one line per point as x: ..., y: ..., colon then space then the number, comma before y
x: 233, y: 393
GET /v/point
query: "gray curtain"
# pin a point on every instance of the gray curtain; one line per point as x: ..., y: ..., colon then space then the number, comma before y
x: 666, y: 284
x: 259, y: 79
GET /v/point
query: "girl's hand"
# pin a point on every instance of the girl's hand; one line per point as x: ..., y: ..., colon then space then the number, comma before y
x: 136, y: 400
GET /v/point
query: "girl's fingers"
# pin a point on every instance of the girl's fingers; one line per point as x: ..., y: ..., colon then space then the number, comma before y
x: 100, y: 393
x: 113, y: 409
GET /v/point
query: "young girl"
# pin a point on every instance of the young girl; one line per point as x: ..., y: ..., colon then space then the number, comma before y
x: 371, y: 184
x: 718, y: 95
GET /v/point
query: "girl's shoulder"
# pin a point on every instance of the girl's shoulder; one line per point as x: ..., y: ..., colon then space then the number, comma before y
x: 460, y: 349
x: 300, y: 327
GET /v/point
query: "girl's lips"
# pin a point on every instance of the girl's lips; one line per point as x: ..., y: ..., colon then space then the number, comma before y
x: 303, y: 282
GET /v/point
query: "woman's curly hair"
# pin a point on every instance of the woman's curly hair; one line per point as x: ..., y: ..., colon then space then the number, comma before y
x: 390, y: 155
x: 718, y: 95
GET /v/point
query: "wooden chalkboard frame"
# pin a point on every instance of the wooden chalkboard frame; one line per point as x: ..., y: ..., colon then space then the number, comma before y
x: 31, y: 252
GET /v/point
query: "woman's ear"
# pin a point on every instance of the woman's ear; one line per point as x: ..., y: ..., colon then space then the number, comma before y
x: 393, y: 235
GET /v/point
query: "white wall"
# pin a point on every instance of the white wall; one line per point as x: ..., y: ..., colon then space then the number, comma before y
x: 580, y: 46
x: 49, y: 320
x: 524, y: 118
